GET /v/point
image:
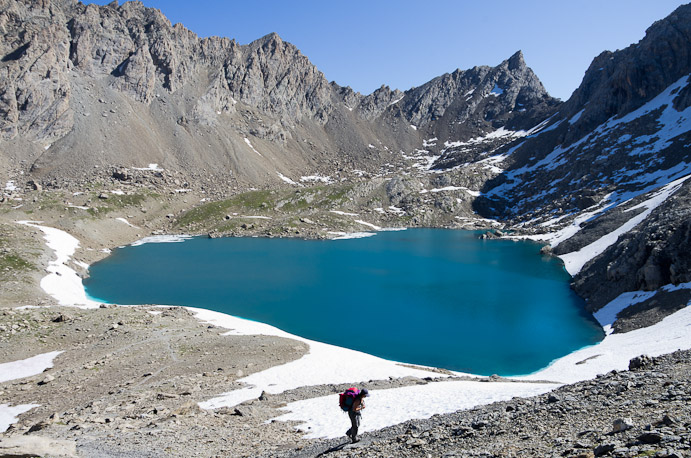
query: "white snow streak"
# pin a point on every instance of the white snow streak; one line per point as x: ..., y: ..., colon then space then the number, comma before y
x: 575, y: 261
x: 123, y: 220
x: 286, y: 179
x: 247, y: 140
x: 27, y: 367
x: 62, y: 282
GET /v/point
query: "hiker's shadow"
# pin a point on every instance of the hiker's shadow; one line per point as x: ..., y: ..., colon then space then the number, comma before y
x: 333, y: 449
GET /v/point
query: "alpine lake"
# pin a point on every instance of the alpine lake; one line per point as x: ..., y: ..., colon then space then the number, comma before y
x: 434, y: 297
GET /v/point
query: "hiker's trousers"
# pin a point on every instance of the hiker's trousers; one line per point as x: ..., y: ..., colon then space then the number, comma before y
x: 354, y: 422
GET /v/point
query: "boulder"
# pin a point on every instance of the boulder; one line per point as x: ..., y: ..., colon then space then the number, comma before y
x: 640, y: 362
x: 34, y: 445
x: 622, y: 424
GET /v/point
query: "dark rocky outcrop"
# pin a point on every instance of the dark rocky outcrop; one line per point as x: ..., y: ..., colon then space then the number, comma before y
x: 602, y: 156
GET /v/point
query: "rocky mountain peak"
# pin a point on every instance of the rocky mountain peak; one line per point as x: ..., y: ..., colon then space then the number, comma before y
x: 517, y: 61
x: 472, y: 103
x: 618, y: 82
x: 268, y: 39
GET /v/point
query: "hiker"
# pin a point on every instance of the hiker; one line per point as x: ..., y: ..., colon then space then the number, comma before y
x: 355, y: 415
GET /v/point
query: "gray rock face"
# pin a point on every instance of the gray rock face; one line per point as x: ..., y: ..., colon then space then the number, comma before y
x: 618, y: 82
x: 276, y: 78
x: 657, y: 253
x: 507, y: 95
x: 34, y: 86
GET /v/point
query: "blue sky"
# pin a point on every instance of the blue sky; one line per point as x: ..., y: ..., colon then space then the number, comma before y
x: 405, y: 43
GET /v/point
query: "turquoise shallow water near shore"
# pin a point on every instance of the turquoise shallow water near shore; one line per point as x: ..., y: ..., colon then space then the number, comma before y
x: 424, y: 296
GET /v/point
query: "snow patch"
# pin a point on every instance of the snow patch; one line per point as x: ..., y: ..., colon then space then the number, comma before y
x: 496, y: 91
x: 608, y: 314
x: 247, y: 140
x: 388, y: 407
x: 286, y: 179
x: 429, y: 142
x: 162, y: 239
x: 27, y: 367
x: 10, y: 415
x: 62, y: 282
x: 574, y: 262
x: 123, y: 220
x: 396, y: 210
x: 365, y: 223
x: 151, y: 167
x: 317, y: 178
x: 576, y: 117
x: 350, y: 235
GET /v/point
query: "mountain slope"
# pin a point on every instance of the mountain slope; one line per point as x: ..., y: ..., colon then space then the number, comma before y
x: 89, y: 86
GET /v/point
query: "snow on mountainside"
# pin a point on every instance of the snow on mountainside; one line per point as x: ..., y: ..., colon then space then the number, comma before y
x: 609, y: 167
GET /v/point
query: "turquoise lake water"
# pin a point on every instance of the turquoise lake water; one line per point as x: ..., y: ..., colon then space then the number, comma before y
x: 434, y: 297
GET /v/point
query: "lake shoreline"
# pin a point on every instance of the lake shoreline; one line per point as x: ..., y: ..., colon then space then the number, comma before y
x: 458, y: 288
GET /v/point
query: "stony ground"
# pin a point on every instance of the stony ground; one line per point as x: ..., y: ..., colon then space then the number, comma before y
x: 643, y: 412
x: 130, y: 380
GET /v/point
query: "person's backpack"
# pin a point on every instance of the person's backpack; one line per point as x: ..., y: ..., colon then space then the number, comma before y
x: 345, y: 399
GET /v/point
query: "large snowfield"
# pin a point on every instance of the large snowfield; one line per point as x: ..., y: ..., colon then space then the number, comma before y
x: 328, y: 364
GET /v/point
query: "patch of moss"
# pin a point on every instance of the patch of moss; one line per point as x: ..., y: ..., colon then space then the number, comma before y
x: 253, y: 200
x: 14, y: 262
x: 295, y: 206
x: 264, y: 203
x: 116, y: 202
x: 215, y: 211
x: 203, y: 213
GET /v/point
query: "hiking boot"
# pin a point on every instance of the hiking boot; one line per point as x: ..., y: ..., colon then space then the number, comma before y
x: 354, y: 439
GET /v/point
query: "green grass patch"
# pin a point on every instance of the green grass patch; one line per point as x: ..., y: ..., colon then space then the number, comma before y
x: 14, y: 262
x: 255, y: 201
x: 114, y: 202
x: 264, y: 203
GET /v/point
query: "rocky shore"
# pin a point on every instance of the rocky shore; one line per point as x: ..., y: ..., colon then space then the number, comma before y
x: 642, y: 412
x: 129, y: 380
